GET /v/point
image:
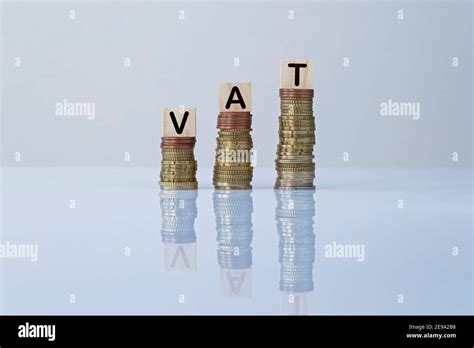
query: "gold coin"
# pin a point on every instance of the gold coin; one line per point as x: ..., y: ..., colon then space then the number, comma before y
x: 301, y: 123
x: 289, y: 165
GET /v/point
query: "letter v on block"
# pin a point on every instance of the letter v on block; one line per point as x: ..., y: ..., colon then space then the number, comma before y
x: 179, y: 122
x: 179, y: 128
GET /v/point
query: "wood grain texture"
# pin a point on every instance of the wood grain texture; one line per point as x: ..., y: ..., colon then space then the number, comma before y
x: 227, y: 89
x: 188, y: 129
x: 288, y: 74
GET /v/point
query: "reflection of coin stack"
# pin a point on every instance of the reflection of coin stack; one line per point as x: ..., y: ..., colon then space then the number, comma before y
x: 233, y: 210
x: 178, y: 212
x: 178, y: 166
x: 294, y: 220
x: 294, y: 163
x: 233, y: 169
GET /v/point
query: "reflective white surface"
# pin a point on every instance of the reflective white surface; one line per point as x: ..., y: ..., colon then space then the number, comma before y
x: 407, y: 236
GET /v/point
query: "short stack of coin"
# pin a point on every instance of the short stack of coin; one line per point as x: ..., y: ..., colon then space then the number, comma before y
x: 294, y: 163
x: 178, y: 212
x: 233, y: 211
x: 294, y: 220
x: 178, y: 166
x: 233, y: 163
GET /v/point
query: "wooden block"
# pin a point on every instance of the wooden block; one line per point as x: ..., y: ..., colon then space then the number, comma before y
x: 296, y: 73
x: 179, y: 122
x: 235, y: 96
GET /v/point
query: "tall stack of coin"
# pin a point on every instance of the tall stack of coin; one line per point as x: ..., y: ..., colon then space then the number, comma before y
x: 233, y: 161
x: 178, y: 166
x: 178, y: 213
x: 294, y: 163
x: 294, y: 220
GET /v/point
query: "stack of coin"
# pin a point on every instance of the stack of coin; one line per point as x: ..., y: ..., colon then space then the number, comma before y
x: 178, y: 166
x: 233, y: 168
x: 233, y: 210
x: 294, y: 163
x: 178, y: 213
x: 294, y: 220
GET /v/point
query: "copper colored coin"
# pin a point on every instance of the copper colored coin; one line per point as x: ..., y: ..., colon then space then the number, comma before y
x: 176, y: 146
x: 234, y: 120
x: 235, y: 114
x: 233, y: 126
x: 234, y: 117
x: 290, y: 92
x: 178, y: 142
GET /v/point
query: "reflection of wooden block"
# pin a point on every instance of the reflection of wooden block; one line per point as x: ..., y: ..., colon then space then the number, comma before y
x: 296, y: 73
x: 236, y: 282
x: 235, y: 96
x: 179, y: 122
x: 180, y: 257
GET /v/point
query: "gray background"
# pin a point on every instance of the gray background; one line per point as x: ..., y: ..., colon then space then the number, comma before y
x: 177, y: 61
x: 174, y: 62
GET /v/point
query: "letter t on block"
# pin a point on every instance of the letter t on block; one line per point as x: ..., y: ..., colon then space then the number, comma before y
x: 296, y: 74
x: 179, y: 122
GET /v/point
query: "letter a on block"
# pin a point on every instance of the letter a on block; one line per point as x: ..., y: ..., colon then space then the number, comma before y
x: 179, y: 122
x: 296, y: 73
x: 235, y: 97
